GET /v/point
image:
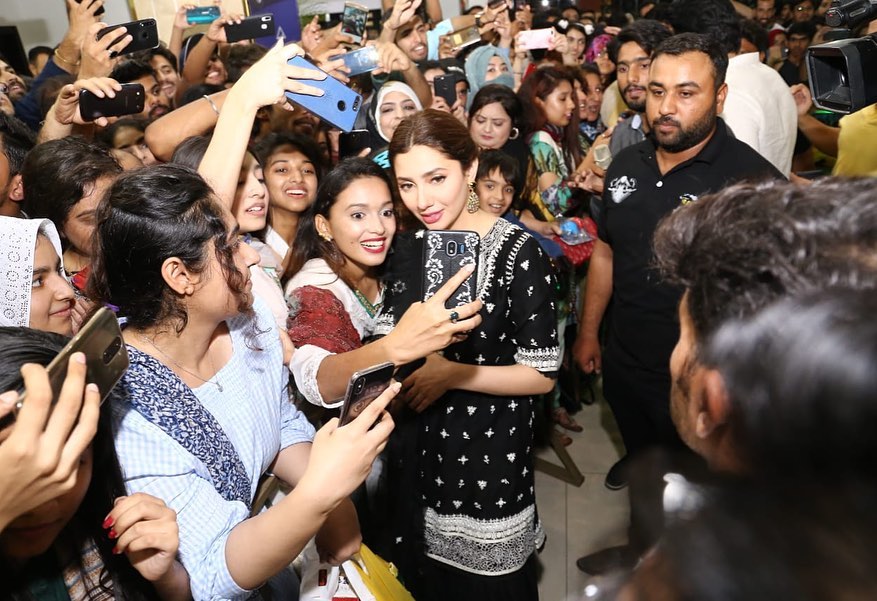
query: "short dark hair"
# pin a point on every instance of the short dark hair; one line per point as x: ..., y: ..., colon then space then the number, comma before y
x: 491, y: 160
x: 34, y: 52
x: 147, y: 216
x: 754, y: 33
x: 56, y: 174
x: 801, y: 383
x: 190, y: 152
x: 307, y: 146
x: 16, y: 140
x: 199, y: 91
x: 714, y: 18
x: 504, y: 95
x: 646, y: 33
x: 740, y: 249
x: 684, y: 43
x: 806, y: 28
x: 162, y: 51
x: 240, y: 58
x: 131, y: 69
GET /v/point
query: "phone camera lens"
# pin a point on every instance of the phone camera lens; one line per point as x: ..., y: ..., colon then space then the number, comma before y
x: 451, y: 248
x: 359, y: 386
x: 111, y: 350
x: 342, y: 105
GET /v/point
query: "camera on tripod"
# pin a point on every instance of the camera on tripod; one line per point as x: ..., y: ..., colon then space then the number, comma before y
x: 843, y: 73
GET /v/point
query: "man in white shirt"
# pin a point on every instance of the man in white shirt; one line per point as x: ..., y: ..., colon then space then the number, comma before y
x: 758, y: 109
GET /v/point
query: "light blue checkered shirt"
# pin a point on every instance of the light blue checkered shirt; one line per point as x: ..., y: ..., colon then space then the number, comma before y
x: 258, y: 419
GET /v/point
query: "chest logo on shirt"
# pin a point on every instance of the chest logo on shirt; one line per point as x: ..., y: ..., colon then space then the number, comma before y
x: 687, y: 199
x: 622, y: 187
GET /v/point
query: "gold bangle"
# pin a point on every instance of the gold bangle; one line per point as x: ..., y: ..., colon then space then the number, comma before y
x: 64, y: 60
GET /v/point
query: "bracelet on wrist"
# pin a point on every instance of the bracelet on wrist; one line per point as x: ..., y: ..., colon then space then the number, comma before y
x: 212, y: 104
x: 65, y: 60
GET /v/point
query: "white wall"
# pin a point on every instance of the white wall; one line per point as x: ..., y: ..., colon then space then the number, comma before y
x: 43, y: 22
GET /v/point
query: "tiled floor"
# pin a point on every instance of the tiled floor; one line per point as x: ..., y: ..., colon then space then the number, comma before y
x: 579, y: 520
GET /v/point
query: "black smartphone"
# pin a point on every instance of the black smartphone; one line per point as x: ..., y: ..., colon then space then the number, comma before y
x: 365, y: 386
x: 257, y: 26
x: 128, y: 101
x: 351, y: 143
x: 98, y: 12
x: 353, y: 21
x: 445, y: 252
x: 445, y: 86
x: 106, y: 359
x: 144, y: 32
x: 338, y: 105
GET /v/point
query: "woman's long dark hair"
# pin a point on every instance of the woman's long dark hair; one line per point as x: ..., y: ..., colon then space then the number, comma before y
x: 147, y: 216
x: 25, y: 345
x: 308, y: 244
x: 540, y: 84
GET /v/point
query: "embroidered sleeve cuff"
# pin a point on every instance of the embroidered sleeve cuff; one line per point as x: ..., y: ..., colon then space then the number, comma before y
x: 304, y: 367
x: 542, y: 359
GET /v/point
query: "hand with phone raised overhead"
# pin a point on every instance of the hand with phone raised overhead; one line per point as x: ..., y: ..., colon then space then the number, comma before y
x: 429, y: 326
x: 270, y: 78
x: 97, y: 58
x: 66, y: 108
x: 40, y: 452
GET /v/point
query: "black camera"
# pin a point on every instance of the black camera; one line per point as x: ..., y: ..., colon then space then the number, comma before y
x: 842, y: 72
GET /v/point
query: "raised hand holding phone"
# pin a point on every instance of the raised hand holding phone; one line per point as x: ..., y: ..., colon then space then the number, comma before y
x: 66, y: 110
x: 271, y: 78
x: 40, y: 451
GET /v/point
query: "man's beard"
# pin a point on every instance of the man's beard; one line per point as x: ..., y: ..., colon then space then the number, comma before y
x: 685, y: 137
x: 635, y: 105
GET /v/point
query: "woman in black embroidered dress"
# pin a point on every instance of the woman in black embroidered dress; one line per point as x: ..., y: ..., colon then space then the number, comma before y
x: 466, y: 441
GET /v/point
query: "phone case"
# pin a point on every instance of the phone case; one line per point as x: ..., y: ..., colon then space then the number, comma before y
x: 128, y: 101
x: 535, y: 39
x: 353, y: 20
x: 446, y: 87
x: 465, y: 37
x: 364, y: 387
x: 98, y: 12
x: 258, y: 26
x: 106, y: 356
x: 338, y: 105
x: 202, y: 14
x: 351, y: 143
x: 144, y: 32
x: 444, y: 254
x: 359, y: 61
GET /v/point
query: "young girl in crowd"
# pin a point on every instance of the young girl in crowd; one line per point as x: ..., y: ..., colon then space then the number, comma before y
x: 87, y: 540
x: 292, y: 167
x: 63, y: 181
x: 205, y: 411
x: 467, y: 526
x: 34, y: 291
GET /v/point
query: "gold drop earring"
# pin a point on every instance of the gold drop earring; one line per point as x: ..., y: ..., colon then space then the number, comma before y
x: 472, y: 203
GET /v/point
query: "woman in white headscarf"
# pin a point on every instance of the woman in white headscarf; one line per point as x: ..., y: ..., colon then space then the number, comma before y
x: 33, y: 289
x: 393, y: 102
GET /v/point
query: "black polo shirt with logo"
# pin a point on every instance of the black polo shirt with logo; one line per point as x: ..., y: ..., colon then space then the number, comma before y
x: 643, y: 321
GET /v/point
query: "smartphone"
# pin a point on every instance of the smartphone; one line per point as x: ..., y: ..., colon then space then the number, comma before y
x: 258, y: 26
x: 98, y: 12
x: 445, y: 86
x: 128, y: 101
x: 603, y: 156
x: 202, y: 14
x: 338, y: 105
x: 364, y: 387
x: 534, y: 39
x: 444, y: 254
x: 351, y: 143
x: 353, y: 20
x: 359, y: 61
x: 464, y: 37
x: 106, y: 358
x: 144, y: 32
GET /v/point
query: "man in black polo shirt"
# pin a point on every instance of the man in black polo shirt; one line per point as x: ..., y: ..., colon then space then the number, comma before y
x: 689, y: 153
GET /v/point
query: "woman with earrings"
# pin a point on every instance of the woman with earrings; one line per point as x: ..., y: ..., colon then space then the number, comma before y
x: 335, y: 291
x: 466, y: 525
x: 495, y: 123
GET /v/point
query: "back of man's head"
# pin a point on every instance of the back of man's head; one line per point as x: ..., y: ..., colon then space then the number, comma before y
x: 16, y: 140
x: 739, y: 250
x: 715, y: 18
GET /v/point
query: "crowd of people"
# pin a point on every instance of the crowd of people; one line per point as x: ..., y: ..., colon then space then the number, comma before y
x: 658, y: 209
